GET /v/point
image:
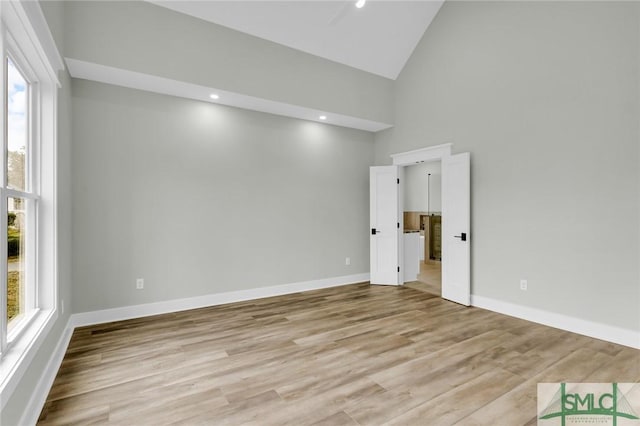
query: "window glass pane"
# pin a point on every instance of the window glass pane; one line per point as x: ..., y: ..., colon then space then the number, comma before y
x: 17, y: 127
x: 16, y: 257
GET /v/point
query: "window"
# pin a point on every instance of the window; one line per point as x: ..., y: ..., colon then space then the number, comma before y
x: 20, y: 200
x: 28, y: 274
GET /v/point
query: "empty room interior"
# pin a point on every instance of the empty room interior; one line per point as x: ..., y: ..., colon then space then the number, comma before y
x: 319, y: 212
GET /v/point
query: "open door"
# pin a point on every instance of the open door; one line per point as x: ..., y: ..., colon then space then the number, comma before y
x: 384, y: 220
x: 456, y: 223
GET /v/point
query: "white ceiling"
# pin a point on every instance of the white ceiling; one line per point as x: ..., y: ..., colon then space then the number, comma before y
x: 378, y: 38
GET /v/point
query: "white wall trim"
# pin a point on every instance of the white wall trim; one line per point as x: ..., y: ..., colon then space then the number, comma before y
x: 166, y: 86
x: 26, y: 24
x: 40, y: 393
x: 430, y: 153
x: 596, y: 330
x: 138, y: 311
x: 34, y: 14
x: 15, y: 363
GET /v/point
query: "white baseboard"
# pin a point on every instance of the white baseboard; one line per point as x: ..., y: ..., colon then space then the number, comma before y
x: 588, y: 328
x: 148, y: 309
x: 40, y: 393
x: 600, y: 331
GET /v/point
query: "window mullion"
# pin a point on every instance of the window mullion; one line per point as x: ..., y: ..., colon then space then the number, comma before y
x: 3, y: 197
x: 33, y: 154
x: 5, y: 107
x: 8, y: 192
x: 31, y: 296
x: 3, y: 272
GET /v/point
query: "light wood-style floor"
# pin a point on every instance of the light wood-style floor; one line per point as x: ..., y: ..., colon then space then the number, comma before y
x: 350, y: 355
x: 429, y: 278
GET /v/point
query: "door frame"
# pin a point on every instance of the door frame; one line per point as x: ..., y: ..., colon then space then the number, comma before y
x: 409, y: 158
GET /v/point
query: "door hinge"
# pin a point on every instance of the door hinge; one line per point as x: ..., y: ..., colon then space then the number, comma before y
x: 398, y: 225
x: 398, y: 181
x: 398, y: 269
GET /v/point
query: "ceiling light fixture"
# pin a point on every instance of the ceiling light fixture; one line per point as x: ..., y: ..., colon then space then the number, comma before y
x: 360, y: 3
x: 323, y: 117
x: 214, y: 96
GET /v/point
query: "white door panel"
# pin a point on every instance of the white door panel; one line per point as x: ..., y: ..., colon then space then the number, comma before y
x: 384, y: 219
x: 456, y: 223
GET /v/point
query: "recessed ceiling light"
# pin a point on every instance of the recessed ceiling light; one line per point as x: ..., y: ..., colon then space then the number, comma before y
x: 360, y: 3
x: 214, y: 96
x: 323, y: 117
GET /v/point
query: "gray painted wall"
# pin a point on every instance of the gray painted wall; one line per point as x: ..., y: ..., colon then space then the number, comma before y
x: 146, y: 38
x: 545, y: 96
x: 199, y: 198
x: 16, y: 405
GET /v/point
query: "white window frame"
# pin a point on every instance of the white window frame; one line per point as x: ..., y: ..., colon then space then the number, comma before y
x: 31, y: 196
x: 25, y: 35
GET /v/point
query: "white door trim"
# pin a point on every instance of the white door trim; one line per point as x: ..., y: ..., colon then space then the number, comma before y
x: 421, y: 155
x: 431, y: 153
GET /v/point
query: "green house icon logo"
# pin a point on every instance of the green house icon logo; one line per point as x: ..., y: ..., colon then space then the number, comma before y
x: 586, y: 402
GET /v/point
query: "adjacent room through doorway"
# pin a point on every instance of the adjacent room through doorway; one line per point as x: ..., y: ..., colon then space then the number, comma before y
x: 422, y: 211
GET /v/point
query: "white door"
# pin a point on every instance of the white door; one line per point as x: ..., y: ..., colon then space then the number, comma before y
x: 456, y: 223
x: 384, y: 220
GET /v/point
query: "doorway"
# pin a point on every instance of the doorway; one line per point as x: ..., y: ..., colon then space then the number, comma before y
x: 422, y: 214
x: 389, y: 261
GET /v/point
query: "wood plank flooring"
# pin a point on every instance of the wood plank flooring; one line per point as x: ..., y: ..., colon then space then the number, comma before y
x: 351, y: 355
x: 429, y: 278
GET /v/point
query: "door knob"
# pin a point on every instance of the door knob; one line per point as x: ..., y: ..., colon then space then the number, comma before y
x: 462, y: 236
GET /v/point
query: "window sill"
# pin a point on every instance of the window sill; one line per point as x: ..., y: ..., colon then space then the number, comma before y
x: 23, y: 348
x: 22, y: 322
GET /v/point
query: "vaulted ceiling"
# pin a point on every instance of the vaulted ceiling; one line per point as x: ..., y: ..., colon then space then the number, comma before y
x: 377, y: 38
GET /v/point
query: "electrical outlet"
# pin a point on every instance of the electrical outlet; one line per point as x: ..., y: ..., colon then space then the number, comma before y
x: 140, y: 283
x: 523, y: 285
x: 347, y: 261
